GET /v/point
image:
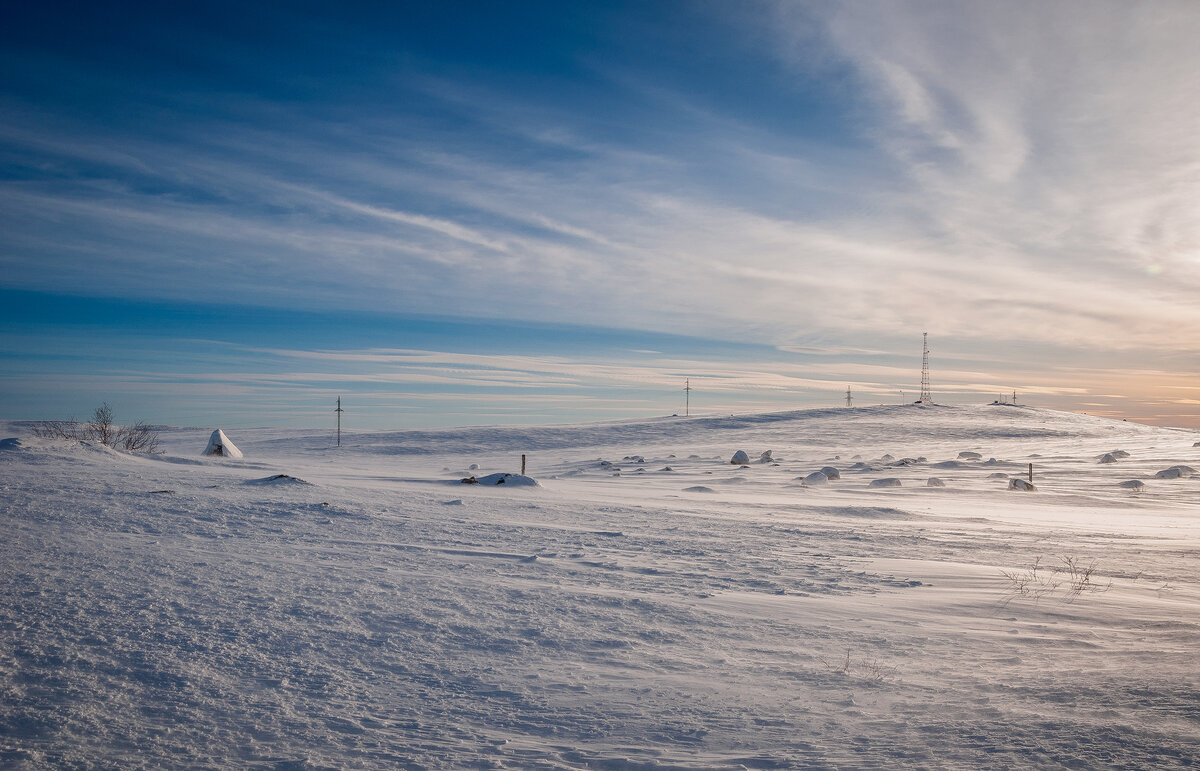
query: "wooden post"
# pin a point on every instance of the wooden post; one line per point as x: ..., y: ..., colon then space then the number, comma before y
x: 1030, y: 473
x: 523, y: 464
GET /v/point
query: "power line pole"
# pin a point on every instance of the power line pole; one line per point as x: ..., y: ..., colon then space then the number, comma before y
x: 687, y: 397
x: 926, y: 397
x: 339, y: 412
x: 849, y: 398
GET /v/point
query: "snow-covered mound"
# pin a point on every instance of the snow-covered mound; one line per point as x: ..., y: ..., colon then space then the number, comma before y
x: 168, y: 611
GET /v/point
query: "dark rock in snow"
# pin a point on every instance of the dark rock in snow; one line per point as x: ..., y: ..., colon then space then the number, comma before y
x: 277, y: 479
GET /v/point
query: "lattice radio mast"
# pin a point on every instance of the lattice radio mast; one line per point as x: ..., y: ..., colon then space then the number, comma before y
x: 339, y: 412
x: 687, y: 398
x: 849, y: 398
x: 926, y: 397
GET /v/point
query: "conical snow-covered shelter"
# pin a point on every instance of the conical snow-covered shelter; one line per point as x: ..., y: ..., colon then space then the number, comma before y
x: 219, y: 444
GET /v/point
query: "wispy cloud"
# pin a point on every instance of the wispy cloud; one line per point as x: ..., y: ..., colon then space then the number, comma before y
x: 1011, y: 177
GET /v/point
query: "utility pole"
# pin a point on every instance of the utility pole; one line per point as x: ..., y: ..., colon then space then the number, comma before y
x: 926, y: 397
x: 339, y: 412
x: 687, y: 397
x: 849, y: 398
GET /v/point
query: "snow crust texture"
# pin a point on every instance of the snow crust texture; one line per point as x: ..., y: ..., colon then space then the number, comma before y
x: 359, y: 607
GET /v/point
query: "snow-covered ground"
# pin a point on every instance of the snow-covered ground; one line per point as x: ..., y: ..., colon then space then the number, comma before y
x: 647, y: 605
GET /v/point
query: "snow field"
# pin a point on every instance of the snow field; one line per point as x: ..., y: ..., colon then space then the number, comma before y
x: 178, y: 611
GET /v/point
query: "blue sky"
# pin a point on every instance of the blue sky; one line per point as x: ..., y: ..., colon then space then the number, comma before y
x: 457, y: 213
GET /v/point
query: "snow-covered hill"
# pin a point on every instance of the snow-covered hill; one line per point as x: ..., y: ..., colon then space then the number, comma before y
x: 646, y: 605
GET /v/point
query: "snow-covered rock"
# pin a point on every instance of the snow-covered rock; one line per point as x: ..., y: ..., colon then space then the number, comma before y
x: 831, y: 473
x: 1021, y: 484
x: 934, y: 482
x: 740, y: 458
x: 1108, y: 457
x: 815, y: 479
x: 1136, y: 485
x: 501, y: 478
x: 219, y: 445
x: 885, y: 482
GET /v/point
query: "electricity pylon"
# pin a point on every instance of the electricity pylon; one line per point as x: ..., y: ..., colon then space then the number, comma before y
x: 926, y: 397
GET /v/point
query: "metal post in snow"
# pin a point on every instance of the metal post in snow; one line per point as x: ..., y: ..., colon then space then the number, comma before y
x: 339, y: 412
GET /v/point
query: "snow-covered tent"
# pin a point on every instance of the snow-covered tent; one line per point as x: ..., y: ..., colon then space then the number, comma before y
x: 219, y: 444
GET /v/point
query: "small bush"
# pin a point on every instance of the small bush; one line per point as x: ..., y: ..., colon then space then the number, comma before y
x: 872, y: 671
x: 1074, y: 579
x: 138, y: 437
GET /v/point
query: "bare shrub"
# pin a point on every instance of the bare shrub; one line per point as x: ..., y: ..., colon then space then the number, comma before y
x: 1079, y: 578
x: 1033, y: 583
x: 56, y: 429
x: 100, y: 428
x: 873, y: 670
x: 138, y: 437
x: 1073, y: 577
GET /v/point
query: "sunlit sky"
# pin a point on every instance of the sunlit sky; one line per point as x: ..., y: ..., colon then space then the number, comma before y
x: 459, y: 213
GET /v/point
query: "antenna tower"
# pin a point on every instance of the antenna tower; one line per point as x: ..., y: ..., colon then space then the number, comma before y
x: 849, y: 398
x: 339, y: 412
x: 687, y: 398
x: 926, y: 398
